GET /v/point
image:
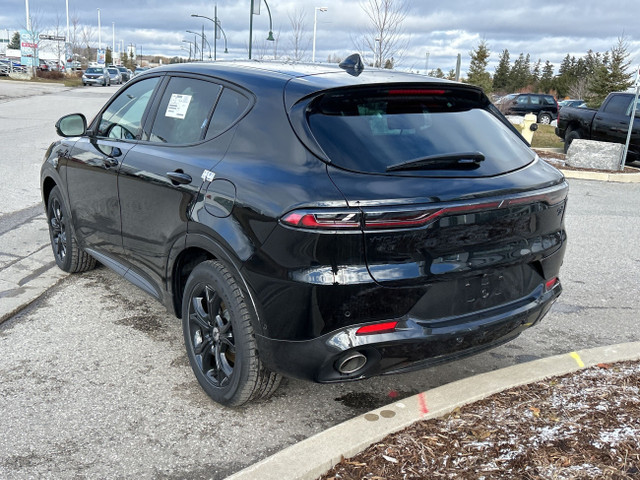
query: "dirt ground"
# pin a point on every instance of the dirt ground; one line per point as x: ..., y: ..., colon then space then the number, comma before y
x: 579, y: 426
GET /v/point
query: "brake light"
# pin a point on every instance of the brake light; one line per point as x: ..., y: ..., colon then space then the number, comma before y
x: 416, y: 91
x: 376, y: 328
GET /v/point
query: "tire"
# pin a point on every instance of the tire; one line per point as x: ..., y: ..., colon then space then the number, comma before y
x: 569, y: 137
x: 544, y: 118
x: 69, y: 257
x: 219, y: 338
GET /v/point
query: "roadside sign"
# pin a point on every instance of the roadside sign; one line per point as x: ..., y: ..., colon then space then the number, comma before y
x: 57, y: 38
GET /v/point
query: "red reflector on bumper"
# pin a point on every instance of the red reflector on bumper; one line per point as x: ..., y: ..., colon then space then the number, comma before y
x: 385, y: 327
x: 551, y: 283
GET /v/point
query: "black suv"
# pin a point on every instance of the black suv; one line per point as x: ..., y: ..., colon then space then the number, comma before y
x: 325, y: 223
x: 544, y: 107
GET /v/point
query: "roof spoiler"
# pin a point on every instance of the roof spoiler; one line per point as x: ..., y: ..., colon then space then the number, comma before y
x: 353, y: 64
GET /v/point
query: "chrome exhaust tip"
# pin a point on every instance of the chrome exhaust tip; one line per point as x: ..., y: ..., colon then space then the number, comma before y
x: 352, y: 363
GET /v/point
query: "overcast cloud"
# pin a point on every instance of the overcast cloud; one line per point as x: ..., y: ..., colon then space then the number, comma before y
x: 546, y: 29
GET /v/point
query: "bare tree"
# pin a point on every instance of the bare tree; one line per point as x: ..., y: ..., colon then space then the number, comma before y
x: 87, y: 34
x: 75, y: 33
x: 580, y: 88
x: 300, y: 39
x: 385, y: 36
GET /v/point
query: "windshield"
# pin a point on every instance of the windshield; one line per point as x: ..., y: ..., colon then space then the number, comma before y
x: 93, y: 70
x: 370, y: 130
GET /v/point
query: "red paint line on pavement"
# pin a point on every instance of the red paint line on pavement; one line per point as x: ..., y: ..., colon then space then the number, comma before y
x: 423, y: 404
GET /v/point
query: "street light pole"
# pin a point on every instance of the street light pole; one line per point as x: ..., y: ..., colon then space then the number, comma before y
x: 215, y: 32
x: 270, y: 37
x: 315, y: 21
x: 99, y: 32
x: 250, y: 26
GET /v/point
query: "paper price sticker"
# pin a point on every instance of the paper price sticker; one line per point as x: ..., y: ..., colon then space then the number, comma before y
x: 178, y: 106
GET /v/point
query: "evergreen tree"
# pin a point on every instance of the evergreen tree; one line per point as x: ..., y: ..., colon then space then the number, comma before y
x: 535, y: 74
x: 501, y: 76
x: 546, y: 79
x: 437, y: 73
x: 452, y: 74
x: 612, y: 76
x: 477, y: 74
x: 108, y: 57
x: 15, y: 41
x: 520, y: 73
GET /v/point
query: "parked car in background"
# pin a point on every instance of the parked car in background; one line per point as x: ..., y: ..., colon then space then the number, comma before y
x: 96, y: 76
x: 572, y: 103
x: 609, y: 123
x: 140, y: 70
x: 8, y: 66
x: 114, y: 76
x: 308, y: 221
x: 125, y: 73
x: 543, y: 106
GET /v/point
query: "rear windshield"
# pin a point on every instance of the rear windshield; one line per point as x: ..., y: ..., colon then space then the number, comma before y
x: 371, y: 129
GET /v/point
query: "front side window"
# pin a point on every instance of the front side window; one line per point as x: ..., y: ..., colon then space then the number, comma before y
x: 184, y: 111
x: 123, y: 117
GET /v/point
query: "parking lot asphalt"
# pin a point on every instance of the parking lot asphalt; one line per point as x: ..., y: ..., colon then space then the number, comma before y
x: 96, y: 382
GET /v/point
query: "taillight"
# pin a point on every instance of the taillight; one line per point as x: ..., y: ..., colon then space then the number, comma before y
x: 376, y: 328
x: 322, y: 219
x: 391, y: 217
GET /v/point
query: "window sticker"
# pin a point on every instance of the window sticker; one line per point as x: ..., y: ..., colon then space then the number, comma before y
x: 178, y: 106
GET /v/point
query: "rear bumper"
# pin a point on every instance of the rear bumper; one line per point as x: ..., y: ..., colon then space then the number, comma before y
x: 414, y: 345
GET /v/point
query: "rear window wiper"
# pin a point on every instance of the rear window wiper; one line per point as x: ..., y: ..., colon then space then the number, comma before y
x: 464, y: 160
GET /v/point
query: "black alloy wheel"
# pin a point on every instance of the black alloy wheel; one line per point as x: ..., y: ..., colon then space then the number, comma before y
x: 58, y: 230
x: 69, y: 257
x: 219, y: 338
x: 212, y: 336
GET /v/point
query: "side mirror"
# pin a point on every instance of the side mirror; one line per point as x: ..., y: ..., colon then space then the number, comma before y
x: 74, y: 125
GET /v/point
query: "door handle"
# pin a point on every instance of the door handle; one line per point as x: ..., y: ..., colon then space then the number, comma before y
x: 110, y: 162
x: 179, y: 178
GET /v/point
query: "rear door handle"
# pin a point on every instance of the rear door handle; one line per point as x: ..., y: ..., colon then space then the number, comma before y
x: 179, y: 178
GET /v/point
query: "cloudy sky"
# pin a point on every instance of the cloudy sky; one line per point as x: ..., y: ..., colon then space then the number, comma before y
x: 547, y: 29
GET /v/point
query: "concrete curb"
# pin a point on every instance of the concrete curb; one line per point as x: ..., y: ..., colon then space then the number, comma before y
x: 601, y: 176
x: 314, y: 456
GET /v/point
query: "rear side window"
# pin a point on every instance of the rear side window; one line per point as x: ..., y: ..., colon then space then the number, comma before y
x: 229, y: 108
x: 184, y: 111
x: 369, y: 130
x: 549, y: 100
